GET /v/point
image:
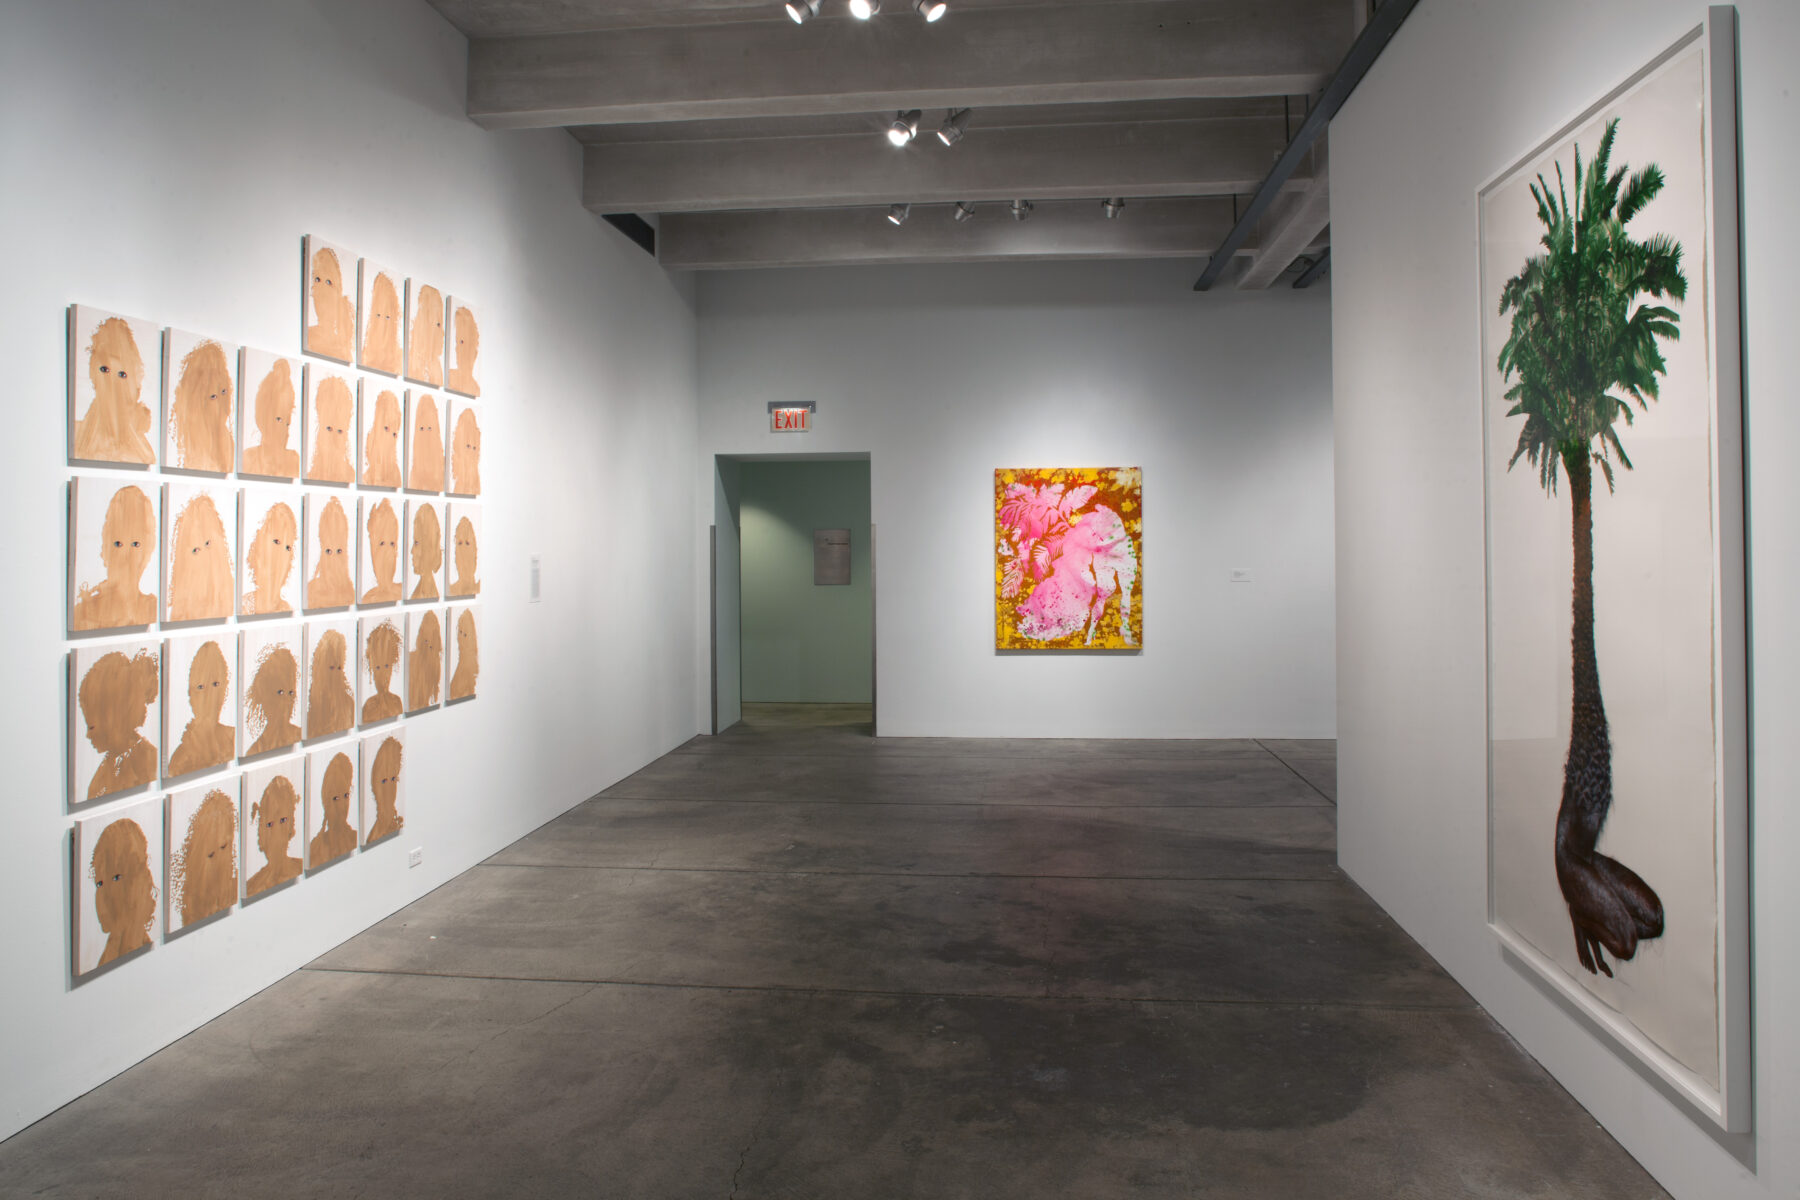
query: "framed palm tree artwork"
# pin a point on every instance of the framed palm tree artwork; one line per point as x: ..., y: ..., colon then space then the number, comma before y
x: 1612, y: 422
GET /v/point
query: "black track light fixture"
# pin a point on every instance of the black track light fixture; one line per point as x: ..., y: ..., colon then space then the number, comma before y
x: 1021, y: 210
x: 931, y: 10
x: 964, y: 210
x: 955, y: 122
x: 897, y: 213
x: 802, y: 10
x: 1112, y: 207
x: 905, y: 127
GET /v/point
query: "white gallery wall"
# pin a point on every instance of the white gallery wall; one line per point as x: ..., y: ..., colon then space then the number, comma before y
x: 944, y: 373
x: 163, y: 160
x: 1463, y: 91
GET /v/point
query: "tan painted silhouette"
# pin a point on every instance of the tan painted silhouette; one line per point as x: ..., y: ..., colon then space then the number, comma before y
x: 115, y: 426
x: 205, y: 741
x: 468, y: 657
x: 200, y: 414
x: 203, y: 873
x: 274, y: 453
x: 425, y: 664
x: 127, y: 543
x: 425, y: 340
x: 270, y: 701
x: 338, y: 837
x: 333, y: 413
x: 465, y: 454
x: 381, y: 444
x: 276, y: 819
x: 427, y: 552
x: 426, y: 472
x: 384, y: 785
x: 383, y: 531
x: 381, y: 653
x: 330, y: 704
x: 330, y: 585
x: 124, y: 888
x: 115, y: 698
x: 466, y: 581
x: 333, y: 327
x: 381, y: 325
x: 468, y: 345
x: 270, y: 560
x: 202, y: 580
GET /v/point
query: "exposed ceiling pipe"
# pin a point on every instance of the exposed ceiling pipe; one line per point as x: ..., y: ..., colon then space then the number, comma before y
x: 1363, y: 52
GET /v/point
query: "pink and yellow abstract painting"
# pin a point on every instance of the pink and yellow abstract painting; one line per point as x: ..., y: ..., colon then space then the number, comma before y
x: 1068, y: 558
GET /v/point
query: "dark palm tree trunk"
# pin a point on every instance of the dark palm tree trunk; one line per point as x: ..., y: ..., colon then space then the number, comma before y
x: 1608, y: 904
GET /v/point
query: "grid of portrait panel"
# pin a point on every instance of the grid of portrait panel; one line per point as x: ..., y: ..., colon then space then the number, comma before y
x: 274, y: 567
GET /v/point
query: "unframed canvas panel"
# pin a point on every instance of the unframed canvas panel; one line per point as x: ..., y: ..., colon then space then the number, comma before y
x: 328, y: 301
x: 269, y: 425
x: 203, y: 852
x: 201, y: 535
x: 331, y: 521
x: 464, y: 376
x: 329, y: 427
x: 381, y: 342
x: 424, y: 334
x: 270, y: 659
x: 270, y: 583
x: 200, y: 702
x: 115, y: 380
x: 1068, y: 558
x: 378, y: 564
x: 383, y: 429
x: 464, y: 551
x: 424, y: 441
x: 381, y: 671
x: 114, y: 532
x: 117, y: 854
x: 331, y: 807
x: 274, y: 824
x: 330, y: 677
x: 384, y: 784
x: 465, y: 651
x: 424, y: 549
x: 464, y: 424
x: 424, y: 659
x: 115, y: 718
x: 200, y: 379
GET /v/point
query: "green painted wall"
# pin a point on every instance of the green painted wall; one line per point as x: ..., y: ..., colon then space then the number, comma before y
x: 803, y: 643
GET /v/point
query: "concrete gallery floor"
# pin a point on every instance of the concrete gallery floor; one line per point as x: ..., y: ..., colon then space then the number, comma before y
x: 795, y: 961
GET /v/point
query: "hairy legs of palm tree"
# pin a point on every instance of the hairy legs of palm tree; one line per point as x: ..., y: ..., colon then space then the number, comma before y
x: 1610, y: 907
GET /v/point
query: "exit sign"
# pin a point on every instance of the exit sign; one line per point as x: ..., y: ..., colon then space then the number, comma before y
x: 791, y: 418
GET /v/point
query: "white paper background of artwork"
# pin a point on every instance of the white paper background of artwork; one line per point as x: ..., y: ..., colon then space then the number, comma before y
x: 90, y: 496
x: 257, y: 643
x: 269, y: 541
x: 84, y: 321
x: 371, y: 751
x: 315, y: 634
x: 179, y: 692
x: 318, y: 765
x: 344, y: 285
x: 374, y: 389
x: 1653, y: 562
x: 258, y: 365
x: 178, y: 345
x: 188, y: 537
x: 424, y: 440
x: 455, y: 332
x: 87, y: 758
x: 90, y: 937
x: 379, y: 537
x: 369, y: 313
x: 462, y: 550
x: 424, y: 623
x: 365, y: 672
x: 182, y: 807
x: 460, y: 413
x: 256, y: 783
x: 335, y: 461
x: 319, y: 548
x: 424, y: 333
x: 456, y: 647
x: 422, y: 566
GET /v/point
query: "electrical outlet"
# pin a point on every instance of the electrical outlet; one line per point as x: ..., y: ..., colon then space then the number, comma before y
x: 415, y: 856
x: 536, y: 580
x: 1240, y: 574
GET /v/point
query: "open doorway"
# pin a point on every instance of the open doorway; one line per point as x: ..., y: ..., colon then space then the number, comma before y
x: 793, y: 584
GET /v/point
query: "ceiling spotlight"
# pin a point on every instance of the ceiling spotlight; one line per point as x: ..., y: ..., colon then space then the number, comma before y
x: 862, y: 10
x: 1021, y: 209
x: 964, y: 210
x: 951, y: 131
x: 897, y: 213
x: 931, y: 10
x: 1112, y: 207
x: 803, y: 10
x: 905, y: 128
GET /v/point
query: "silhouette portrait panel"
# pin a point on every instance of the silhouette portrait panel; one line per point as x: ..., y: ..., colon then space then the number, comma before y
x: 328, y: 301
x: 424, y: 442
x: 115, y: 718
x: 200, y: 564
x: 115, y: 382
x: 381, y: 673
x: 117, y: 859
x: 383, y: 430
x: 200, y: 379
x: 424, y: 549
x: 424, y: 659
x: 464, y: 376
x: 382, y: 339
x: 465, y: 448
x: 269, y: 423
x: 424, y: 334
x: 329, y: 425
x: 465, y: 651
x: 200, y: 703
x: 114, y: 533
x: 331, y: 804
x: 330, y: 677
x: 378, y: 565
x: 274, y: 819
x: 202, y: 869
x: 270, y: 661
x: 271, y: 553
x: 383, y: 784
x: 330, y: 559
x: 463, y: 554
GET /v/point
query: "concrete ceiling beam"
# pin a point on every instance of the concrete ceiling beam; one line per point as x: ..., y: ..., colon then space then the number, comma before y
x: 1292, y: 226
x: 1148, y: 159
x: 1056, y: 230
x: 1119, y: 50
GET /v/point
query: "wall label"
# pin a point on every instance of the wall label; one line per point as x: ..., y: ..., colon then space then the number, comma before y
x: 791, y: 418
